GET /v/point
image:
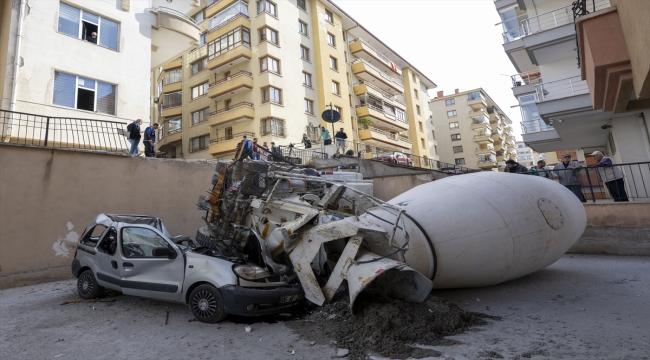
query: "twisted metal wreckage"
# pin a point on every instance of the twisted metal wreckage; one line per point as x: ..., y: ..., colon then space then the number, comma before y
x: 300, y: 228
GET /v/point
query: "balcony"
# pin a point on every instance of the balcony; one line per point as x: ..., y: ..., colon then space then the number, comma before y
x: 230, y: 85
x: 380, y: 137
x: 496, y: 135
x: 489, y: 150
x: 480, y: 122
x: 498, y: 126
x: 500, y: 156
x: 171, y: 131
x: 220, y: 61
x: 364, y: 87
x: 380, y: 118
x: 493, y: 113
x: 363, y: 50
x: 525, y: 82
x: 243, y: 111
x: 483, y: 137
x: 487, y: 161
x: 173, y: 34
x: 234, y: 15
x: 560, y: 89
x: 172, y: 87
x: 172, y: 110
x: 217, y: 6
x: 476, y: 100
x: 367, y: 72
x: 228, y: 144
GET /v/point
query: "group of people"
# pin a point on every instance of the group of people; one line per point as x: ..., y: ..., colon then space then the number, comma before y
x: 135, y: 135
x: 254, y: 151
x: 340, y: 138
x: 567, y: 172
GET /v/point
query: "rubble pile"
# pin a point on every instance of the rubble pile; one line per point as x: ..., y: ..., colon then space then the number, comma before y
x: 388, y: 327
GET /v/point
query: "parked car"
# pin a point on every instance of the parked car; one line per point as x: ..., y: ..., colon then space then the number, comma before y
x: 396, y: 158
x: 136, y: 255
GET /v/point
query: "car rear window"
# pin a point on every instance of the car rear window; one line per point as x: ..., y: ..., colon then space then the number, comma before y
x: 92, y: 236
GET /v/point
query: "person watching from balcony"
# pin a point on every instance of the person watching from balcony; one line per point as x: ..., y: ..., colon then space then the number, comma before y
x: 134, y: 137
x: 256, y: 150
x: 540, y: 170
x: 340, y: 140
x: 515, y: 167
x: 306, y: 141
x: 611, y: 175
x: 325, y: 135
x: 150, y: 140
x: 92, y: 38
x: 567, y: 172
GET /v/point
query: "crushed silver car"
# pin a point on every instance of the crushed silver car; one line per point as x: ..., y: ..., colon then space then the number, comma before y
x: 136, y: 255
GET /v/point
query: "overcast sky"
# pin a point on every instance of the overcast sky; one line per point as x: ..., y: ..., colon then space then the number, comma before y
x: 453, y: 42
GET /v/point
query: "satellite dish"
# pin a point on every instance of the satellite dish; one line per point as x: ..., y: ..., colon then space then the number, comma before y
x: 331, y: 116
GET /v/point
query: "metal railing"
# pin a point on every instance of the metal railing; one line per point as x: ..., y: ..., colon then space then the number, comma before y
x: 548, y: 20
x: 389, y: 135
x: 166, y: 10
x: 230, y: 77
x: 63, y: 132
x: 381, y: 110
x: 480, y: 120
x: 382, y: 92
x: 619, y: 182
x: 169, y: 106
x: 559, y: 89
x: 297, y: 155
x: 534, y: 126
x: 233, y: 107
x: 381, y: 56
x: 527, y: 78
x: 228, y: 15
x: 514, y: 34
x: 236, y: 136
x: 394, y: 79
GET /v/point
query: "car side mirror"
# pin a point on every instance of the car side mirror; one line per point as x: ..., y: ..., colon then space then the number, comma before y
x: 164, y: 252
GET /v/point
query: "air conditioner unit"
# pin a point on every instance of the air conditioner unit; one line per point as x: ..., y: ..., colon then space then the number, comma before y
x: 156, y: 99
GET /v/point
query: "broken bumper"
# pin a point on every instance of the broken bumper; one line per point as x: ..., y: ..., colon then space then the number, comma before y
x: 252, y: 302
x: 76, y: 266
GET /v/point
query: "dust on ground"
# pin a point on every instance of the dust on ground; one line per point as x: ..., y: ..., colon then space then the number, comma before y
x: 388, y: 327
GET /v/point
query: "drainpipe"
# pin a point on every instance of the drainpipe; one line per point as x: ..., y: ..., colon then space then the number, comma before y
x: 14, y: 85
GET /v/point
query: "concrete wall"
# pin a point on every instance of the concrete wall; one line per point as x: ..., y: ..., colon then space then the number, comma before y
x: 634, y: 21
x: 617, y: 229
x: 48, y: 197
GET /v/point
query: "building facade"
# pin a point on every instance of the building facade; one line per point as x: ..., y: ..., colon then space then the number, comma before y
x: 583, y: 74
x: 53, y: 66
x: 526, y: 156
x: 255, y: 75
x: 472, y: 130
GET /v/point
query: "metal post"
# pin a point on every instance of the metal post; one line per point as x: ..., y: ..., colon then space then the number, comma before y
x: 591, y: 188
x: 47, y: 130
x: 571, y: 84
x: 554, y: 18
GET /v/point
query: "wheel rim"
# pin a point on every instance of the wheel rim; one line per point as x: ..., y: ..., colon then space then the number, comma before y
x: 85, y: 285
x: 204, y: 304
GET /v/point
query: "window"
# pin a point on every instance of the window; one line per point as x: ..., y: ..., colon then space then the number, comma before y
x: 417, y: 109
x: 140, y: 242
x: 455, y: 137
x: 451, y: 113
x: 302, y: 27
x: 309, y: 106
x: 200, y: 90
x: 271, y: 94
x: 331, y: 39
x: 200, y: 116
x: 423, y: 143
x: 400, y: 114
x: 160, y: 86
x: 458, y: 149
x: 267, y: 7
x: 306, y: 79
x: 336, y: 88
x: 108, y: 244
x: 304, y: 53
x: 460, y: 161
x: 415, y: 92
x: 270, y: 64
x: 270, y: 35
x: 92, y: 237
x: 435, y: 148
x: 340, y: 111
x: 228, y: 133
x: 450, y: 102
x: 202, y: 38
x: 420, y: 126
x: 239, y: 8
x: 329, y: 16
x: 173, y: 99
x: 227, y: 103
x: 229, y: 41
x: 415, y: 78
x: 334, y: 63
x: 302, y: 4
x: 199, y: 65
x: 454, y: 125
x: 199, y: 143
x: 173, y: 76
x: 199, y: 16
x: 272, y: 126
x: 433, y: 134
x: 81, y: 25
x: 84, y: 94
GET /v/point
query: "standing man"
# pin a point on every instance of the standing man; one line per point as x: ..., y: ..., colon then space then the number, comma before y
x: 134, y: 136
x: 568, y: 172
x: 150, y: 140
x: 325, y: 135
x: 515, y: 167
x: 276, y: 153
x: 612, y: 176
x: 540, y: 170
x: 256, y: 150
x: 92, y: 38
x: 248, y: 148
x: 340, y: 140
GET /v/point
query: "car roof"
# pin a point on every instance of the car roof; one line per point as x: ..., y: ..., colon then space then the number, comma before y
x: 108, y: 219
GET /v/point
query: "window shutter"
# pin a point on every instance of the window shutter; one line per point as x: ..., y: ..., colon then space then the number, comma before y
x: 105, y: 98
x: 69, y: 20
x: 109, y: 33
x: 64, y: 89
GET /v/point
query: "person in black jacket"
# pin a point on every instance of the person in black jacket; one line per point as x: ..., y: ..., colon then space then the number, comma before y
x: 340, y: 140
x: 134, y: 137
x: 150, y: 140
x: 515, y: 167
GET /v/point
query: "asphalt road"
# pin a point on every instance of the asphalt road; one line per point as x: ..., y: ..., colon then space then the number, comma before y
x: 582, y: 307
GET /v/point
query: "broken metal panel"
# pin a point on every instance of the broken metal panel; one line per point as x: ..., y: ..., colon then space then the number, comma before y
x: 343, y: 264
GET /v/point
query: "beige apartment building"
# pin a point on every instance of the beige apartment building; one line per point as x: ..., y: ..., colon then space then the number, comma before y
x: 268, y: 69
x: 472, y: 130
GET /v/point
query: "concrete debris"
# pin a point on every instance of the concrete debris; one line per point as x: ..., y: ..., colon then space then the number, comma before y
x: 312, y: 343
x: 247, y: 328
x: 342, y: 353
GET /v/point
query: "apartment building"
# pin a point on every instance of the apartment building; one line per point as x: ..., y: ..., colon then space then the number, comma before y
x: 583, y: 80
x: 472, y: 130
x: 52, y: 65
x: 526, y: 156
x: 268, y: 69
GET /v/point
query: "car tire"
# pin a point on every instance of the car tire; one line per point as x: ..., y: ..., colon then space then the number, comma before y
x: 87, y: 286
x: 206, y: 304
x: 204, y: 239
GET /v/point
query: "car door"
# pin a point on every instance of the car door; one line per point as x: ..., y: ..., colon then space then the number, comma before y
x: 144, y: 274
x: 107, y: 272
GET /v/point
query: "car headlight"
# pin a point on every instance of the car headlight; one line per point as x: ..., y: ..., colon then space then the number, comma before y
x: 250, y: 272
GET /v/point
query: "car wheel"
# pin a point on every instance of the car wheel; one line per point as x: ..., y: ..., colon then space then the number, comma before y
x: 87, y: 286
x: 204, y: 239
x: 206, y: 304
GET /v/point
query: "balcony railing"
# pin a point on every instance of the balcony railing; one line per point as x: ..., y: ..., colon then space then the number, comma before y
x: 169, y: 106
x: 178, y: 14
x: 377, y: 108
x: 531, y: 77
x: 561, y: 88
x: 382, y: 92
x: 233, y: 12
x: 239, y: 136
x: 514, y: 34
x: 232, y: 107
x: 478, y: 120
x: 233, y: 76
x: 389, y: 135
x: 534, y: 126
x: 395, y: 79
x: 377, y: 53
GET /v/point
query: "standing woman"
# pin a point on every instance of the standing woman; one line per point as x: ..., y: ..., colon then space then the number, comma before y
x: 306, y: 141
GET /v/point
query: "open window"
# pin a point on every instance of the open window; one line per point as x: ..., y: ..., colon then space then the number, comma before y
x: 91, y: 237
x: 140, y: 242
x: 108, y: 244
x: 84, y: 94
